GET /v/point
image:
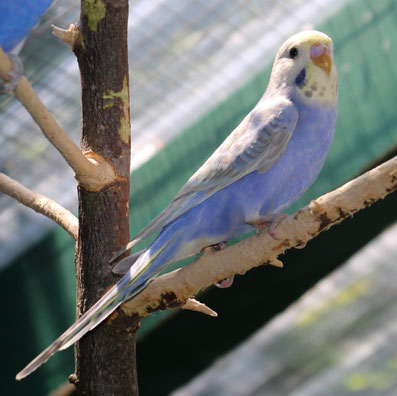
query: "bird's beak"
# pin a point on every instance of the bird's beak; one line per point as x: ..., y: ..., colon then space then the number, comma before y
x: 320, y: 54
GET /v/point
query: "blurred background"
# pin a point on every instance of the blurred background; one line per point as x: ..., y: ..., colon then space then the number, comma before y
x: 323, y: 325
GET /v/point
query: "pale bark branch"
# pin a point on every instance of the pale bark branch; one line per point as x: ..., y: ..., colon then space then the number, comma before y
x: 65, y: 389
x: 66, y: 35
x: 173, y: 289
x: 40, y: 204
x: 195, y: 305
x: 91, y: 170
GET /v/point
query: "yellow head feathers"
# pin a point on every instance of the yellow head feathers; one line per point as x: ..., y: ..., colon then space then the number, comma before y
x: 305, y: 63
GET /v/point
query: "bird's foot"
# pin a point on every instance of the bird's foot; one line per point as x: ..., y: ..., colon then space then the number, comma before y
x: 270, y: 224
x: 223, y: 284
x: 219, y: 246
x: 8, y: 84
x: 214, y: 248
x: 301, y: 245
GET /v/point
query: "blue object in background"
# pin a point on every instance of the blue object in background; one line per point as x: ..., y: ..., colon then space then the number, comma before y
x: 17, y: 18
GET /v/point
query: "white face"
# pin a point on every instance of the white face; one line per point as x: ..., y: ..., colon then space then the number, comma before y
x: 305, y: 63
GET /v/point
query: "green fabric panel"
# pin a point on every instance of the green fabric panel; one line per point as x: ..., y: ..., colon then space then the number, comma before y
x: 38, y: 295
x: 38, y: 289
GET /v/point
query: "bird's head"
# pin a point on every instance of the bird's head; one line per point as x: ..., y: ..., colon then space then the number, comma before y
x: 304, y: 64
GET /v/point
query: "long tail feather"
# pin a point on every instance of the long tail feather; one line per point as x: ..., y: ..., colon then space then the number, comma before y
x: 124, y: 265
x: 128, y: 286
x: 125, y: 248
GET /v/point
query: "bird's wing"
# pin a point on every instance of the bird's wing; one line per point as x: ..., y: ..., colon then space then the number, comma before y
x: 256, y: 144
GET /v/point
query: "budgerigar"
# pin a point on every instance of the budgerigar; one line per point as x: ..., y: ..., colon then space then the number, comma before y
x: 17, y: 18
x: 262, y: 167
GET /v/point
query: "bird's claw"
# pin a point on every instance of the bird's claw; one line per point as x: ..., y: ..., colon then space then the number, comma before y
x: 270, y: 225
x: 219, y: 246
x: 213, y: 248
x: 227, y: 282
x: 223, y: 284
x: 9, y: 83
x: 301, y: 245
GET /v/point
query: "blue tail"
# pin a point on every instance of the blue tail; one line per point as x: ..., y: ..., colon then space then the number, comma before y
x: 130, y: 285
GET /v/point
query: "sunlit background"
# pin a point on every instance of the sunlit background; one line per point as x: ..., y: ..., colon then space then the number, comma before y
x: 323, y: 325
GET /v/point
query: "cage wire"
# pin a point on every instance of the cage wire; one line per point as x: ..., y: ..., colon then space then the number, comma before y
x: 196, y: 69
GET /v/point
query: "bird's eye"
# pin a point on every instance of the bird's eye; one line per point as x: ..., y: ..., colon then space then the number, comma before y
x: 293, y: 52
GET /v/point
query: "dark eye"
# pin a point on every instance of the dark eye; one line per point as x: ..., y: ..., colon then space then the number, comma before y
x: 293, y: 52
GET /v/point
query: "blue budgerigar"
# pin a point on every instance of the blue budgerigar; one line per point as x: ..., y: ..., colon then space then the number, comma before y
x: 262, y: 167
x: 17, y: 18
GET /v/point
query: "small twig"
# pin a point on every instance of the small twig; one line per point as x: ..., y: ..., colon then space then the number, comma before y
x: 198, y: 306
x: 92, y: 174
x: 66, y: 35
x: 175, y: 288
x: 65, y: 389
x: 40, y: 204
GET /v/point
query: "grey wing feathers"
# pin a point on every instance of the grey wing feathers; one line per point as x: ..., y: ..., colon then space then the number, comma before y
x: 256, y: 144
x: 279, y: 133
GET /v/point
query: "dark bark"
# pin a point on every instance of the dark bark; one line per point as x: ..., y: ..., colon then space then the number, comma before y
x: 105, y: 358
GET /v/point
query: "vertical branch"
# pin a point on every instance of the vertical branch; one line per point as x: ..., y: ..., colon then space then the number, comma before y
x: 105, y: 358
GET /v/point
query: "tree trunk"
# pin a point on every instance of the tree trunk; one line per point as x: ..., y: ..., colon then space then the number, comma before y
x: 104, y: 358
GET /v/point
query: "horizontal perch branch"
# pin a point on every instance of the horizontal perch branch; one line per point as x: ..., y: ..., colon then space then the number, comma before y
x: 92, y: 173
x: 41, y: 204
x: 175, y: 288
